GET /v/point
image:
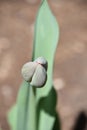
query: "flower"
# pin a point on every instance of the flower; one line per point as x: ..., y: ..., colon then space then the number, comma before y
x: 35, y: 72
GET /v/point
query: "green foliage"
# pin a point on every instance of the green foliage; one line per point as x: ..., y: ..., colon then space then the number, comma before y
x: 12, y: 117
x: 35, y: 108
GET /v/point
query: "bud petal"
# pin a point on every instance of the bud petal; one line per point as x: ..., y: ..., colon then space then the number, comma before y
x: 40, y: 76
x: 28, y: 70
x: 42, y: 61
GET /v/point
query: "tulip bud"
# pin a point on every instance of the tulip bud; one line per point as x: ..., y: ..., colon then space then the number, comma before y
x: 35, y: 72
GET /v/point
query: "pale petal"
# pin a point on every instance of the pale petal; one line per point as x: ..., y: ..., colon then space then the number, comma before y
x: 39, y: 77
x: 28, y: 70
x: 42, y: 61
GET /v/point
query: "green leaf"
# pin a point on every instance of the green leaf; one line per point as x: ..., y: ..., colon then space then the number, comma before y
x: 41, y: 101
x: 22, y: 115
x: 17, y: 115
x: 31, y: 115
x: 48, y: 104
x: 26, y: 108
x: 22, y: 106
x: 44, y: 117
x: 12, y: 117
x: 57, y: 123
x: 46, y: 39
x: 45, y: 42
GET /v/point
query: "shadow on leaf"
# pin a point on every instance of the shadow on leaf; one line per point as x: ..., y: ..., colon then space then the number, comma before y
x: 48, y: 104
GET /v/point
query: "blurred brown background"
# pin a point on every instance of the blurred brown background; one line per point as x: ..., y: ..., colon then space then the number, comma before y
x: 17, y: 19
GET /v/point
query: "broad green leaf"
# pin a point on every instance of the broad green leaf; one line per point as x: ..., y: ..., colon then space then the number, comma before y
x: 22, y: 115
x: 31, y: 114
x: 17, y: 115
x: 12, y: 117
x: 48, y: 104
x: 44, y: 119
x: 22, y: 106
x: 46, y: 39
x: 26, y: 114
x: 39, y: 101
x: 45, y: 42
x: 57, y: 123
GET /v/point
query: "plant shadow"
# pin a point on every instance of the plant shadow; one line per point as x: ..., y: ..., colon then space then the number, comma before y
x: 48, y: 105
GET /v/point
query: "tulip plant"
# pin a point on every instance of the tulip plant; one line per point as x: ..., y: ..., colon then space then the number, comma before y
x: 35, y: 108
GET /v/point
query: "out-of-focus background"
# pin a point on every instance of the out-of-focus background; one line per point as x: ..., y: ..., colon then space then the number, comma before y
x: 17, y: 18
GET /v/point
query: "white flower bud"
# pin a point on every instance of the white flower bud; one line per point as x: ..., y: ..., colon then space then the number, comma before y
x: 35, y: 72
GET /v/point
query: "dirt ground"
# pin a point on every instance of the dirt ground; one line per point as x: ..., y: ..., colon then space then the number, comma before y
x: 17, y: 19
